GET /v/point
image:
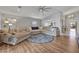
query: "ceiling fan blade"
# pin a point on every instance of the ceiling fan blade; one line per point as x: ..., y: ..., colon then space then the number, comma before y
x: 48, y: 8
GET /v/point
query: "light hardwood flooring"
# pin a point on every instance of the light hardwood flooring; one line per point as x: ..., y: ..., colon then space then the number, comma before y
x: 60, y: 44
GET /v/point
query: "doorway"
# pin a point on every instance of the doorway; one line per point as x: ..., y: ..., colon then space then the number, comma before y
x: 73, y: 29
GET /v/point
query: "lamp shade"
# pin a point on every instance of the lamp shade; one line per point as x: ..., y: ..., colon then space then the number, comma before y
x: 10, y: 24
x: 13, y: 20
x: 6, y: 21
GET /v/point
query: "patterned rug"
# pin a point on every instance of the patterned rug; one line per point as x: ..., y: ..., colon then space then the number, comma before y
x: 41, y: 38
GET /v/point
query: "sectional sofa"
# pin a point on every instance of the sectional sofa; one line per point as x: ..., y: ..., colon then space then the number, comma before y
x: 16, y: 36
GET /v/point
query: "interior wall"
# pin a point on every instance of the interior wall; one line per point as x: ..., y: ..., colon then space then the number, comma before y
x: 21, y: 21
x: 56, y: 20
x: 68, y: 24
x: 0, y: 22
x: 78, y: 28
x: 75, y: 19
x: 26, y: 22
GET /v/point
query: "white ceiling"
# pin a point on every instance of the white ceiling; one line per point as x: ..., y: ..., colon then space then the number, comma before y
x: 32, y: 11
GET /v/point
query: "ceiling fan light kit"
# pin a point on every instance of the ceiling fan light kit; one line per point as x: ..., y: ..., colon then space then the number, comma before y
x: 44, y: 10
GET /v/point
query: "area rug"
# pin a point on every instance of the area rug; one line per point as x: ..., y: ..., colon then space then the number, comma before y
x: 41, y: 38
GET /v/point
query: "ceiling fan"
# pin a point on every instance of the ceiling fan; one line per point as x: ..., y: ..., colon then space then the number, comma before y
x: 44, y: 9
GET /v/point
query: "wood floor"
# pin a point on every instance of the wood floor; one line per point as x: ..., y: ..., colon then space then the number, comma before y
x: 61, y: 44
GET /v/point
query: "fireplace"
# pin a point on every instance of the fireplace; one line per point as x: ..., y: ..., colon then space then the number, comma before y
x: 35, y: 28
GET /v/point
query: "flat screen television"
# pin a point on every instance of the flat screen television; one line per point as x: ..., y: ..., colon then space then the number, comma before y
x: 35, y: 28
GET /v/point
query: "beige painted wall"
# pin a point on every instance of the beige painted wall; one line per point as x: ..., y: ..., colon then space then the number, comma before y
x: 21, y: 21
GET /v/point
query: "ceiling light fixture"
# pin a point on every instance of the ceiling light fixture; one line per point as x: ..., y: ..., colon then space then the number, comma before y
x: 44, y: 9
